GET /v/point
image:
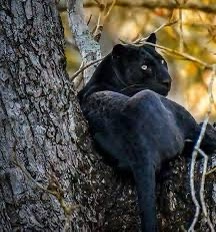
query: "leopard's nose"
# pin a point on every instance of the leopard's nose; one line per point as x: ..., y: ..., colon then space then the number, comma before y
x: 167, y: 82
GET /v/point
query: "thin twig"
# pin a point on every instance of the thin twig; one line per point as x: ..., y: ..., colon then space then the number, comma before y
x: 210, y: 8
x: 211, y: 171
x: 202, y: 189
x: 97, y: 30
x: 97, y: 2
x: 140, y: 40
x: 81, y: 69
x: 158, y: 5
x: 101, y: 21
x: 210, y: 90
x: 181, y: 42
x: 186, y: 56
x: 110, y: 9
x: 77, y: 72
x: 77, y: 82
x: 182, y: 54
x: 170, y: 23
x: 89, y: 20
x: 177, y: 53
x: 197, y: 147
x: 193, y: 193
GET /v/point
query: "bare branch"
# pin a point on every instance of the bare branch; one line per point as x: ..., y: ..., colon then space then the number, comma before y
x: 193, y: 193
x: 101, y: 21
x: 110, y: 9
x: 181, y: 42
x: 142, y: 39
x: 89, y: 49
x: 97, y: 2
x: 170, y: 51
x: 98, y: 29
x: 202, y: 189
x: 166, y: 5
x: 83, y: 68
x: 196, y: 149
x: 78, y: 82
x: 211, y: 171
x: 183, y: 55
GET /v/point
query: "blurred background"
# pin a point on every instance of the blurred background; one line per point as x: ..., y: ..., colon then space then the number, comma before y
x: 194, y: 33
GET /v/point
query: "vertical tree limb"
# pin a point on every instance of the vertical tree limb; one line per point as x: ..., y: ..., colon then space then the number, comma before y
x: 197, y: 149
x: 202, y: 190
x: 89, y: 49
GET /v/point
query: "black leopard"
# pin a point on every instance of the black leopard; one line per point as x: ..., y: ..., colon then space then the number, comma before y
x: 132, y: 122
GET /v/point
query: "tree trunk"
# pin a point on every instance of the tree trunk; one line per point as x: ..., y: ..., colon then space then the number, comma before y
x: 42, y: 132
x: 50, y: 178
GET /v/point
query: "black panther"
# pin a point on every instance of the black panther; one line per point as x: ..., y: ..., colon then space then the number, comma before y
x: 133, y: 124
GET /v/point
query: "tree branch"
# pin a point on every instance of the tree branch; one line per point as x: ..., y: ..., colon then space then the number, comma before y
x: 202, y: 190
x: 170, y: 51
x: 195, y: 153
x: 89, y: 49
x: 153, y: 5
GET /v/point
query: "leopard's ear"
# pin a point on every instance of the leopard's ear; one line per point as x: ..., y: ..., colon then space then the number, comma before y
x: 118, y: 51
x: 152, y: 38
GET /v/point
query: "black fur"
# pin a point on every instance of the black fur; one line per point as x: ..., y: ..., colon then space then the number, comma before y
x: 121, y: 72
x: 133, y: 125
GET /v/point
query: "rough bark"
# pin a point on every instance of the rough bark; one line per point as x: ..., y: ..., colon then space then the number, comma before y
x: 40, y: 124
x: 42, y: 131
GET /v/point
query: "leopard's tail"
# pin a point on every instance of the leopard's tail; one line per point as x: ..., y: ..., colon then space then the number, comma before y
x: 144, y: 176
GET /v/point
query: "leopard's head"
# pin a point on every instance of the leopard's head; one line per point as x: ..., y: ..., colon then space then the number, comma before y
x: 140, y: 67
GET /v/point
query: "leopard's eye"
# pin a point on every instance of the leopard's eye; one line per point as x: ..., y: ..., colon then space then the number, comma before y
x: 162, y: 61
x: 144, y: 67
